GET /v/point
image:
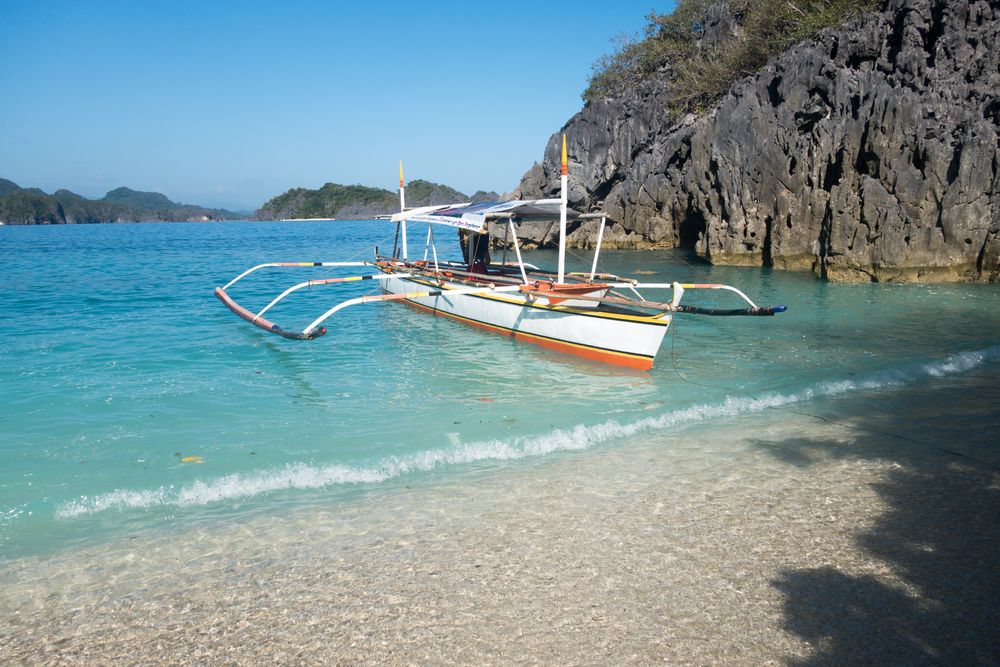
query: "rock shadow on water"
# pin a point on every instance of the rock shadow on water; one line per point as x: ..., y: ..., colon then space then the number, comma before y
x: 933, y: 596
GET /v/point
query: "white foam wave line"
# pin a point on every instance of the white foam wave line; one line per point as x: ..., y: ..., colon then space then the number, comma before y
x: 302, y: 476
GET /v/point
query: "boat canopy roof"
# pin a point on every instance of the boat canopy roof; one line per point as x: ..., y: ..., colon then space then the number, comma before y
x: 473, y: 217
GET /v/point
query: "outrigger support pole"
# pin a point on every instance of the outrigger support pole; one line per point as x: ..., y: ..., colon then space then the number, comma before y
x: 675, y: 306
x: 290, y: 264
x: 327, y: 281
x: 404, y: 296
x: 680, y: 287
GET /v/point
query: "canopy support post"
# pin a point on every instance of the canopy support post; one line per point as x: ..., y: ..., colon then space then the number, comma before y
x: 517, y: 249
x: 597, y: 250
x: 434, y: 248
x: 402, y: 207
x: 506, y: 243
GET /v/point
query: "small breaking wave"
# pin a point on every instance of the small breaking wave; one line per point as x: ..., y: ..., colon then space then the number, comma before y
x: 299, y: 476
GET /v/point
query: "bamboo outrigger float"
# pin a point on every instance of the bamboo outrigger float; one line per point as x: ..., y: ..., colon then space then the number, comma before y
x: 601, y: 317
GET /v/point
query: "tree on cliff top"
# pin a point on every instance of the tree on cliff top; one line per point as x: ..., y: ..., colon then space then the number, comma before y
x: 705, y: 46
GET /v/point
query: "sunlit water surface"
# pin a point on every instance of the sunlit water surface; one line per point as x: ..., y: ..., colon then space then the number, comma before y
x: 118, y: 363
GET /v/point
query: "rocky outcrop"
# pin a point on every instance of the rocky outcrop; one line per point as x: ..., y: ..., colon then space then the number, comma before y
x: 870, y: 152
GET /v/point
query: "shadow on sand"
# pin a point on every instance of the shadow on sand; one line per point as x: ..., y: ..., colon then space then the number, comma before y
x: 935, y: 595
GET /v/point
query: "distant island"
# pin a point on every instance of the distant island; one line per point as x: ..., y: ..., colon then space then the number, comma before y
x: 31, y: 206
x: 359, y: 201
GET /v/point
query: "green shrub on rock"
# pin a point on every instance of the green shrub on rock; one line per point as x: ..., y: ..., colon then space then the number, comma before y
x: 704, y: 46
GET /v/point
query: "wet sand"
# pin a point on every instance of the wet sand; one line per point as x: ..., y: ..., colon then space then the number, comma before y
x: 822, y: 533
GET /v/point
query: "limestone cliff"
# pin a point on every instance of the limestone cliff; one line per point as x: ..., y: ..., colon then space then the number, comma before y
x: 870, y: 152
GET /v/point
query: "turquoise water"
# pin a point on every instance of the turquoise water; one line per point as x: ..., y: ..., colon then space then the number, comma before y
x: 118, y: 362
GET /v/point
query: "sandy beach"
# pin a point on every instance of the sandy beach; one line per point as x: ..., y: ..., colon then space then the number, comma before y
x: 864, y: 536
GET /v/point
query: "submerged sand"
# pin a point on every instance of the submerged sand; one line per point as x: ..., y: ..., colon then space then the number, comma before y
x: 842, y: 535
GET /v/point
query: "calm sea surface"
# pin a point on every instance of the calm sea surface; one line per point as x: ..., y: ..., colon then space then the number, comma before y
x: 118, y: 362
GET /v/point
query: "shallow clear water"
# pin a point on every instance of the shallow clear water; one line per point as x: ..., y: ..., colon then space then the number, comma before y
x: 118, y: 362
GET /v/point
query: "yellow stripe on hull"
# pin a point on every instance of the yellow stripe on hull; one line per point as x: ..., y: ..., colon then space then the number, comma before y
x: 636, y: 361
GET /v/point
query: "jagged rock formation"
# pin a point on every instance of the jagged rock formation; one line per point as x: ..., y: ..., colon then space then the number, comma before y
x: 868, y: 153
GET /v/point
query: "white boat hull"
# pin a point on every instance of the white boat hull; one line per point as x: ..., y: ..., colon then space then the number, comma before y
x: 573, y: 326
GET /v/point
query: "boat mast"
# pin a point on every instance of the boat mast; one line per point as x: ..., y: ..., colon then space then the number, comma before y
x: 562, y: 215
x: 402, y: 206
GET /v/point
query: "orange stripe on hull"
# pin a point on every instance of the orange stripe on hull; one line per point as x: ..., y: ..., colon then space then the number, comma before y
x: 593, y: 354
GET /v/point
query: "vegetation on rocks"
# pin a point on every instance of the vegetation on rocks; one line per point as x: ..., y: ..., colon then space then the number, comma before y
x: 705, y: 46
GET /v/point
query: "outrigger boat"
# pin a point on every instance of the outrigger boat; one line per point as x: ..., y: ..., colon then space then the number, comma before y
x: 597, y: 316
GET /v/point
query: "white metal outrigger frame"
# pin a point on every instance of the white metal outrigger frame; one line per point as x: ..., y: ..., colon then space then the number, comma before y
x: 407, y: 269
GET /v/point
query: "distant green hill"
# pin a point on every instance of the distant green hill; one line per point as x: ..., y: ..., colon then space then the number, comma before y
x: 326, y: 202
x: 7, y: 186
x: 359, y: 201
x: 143, y: 201
x: 31, y: 206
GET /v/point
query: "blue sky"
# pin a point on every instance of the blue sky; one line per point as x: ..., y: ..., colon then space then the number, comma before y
x: 230, y: 103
